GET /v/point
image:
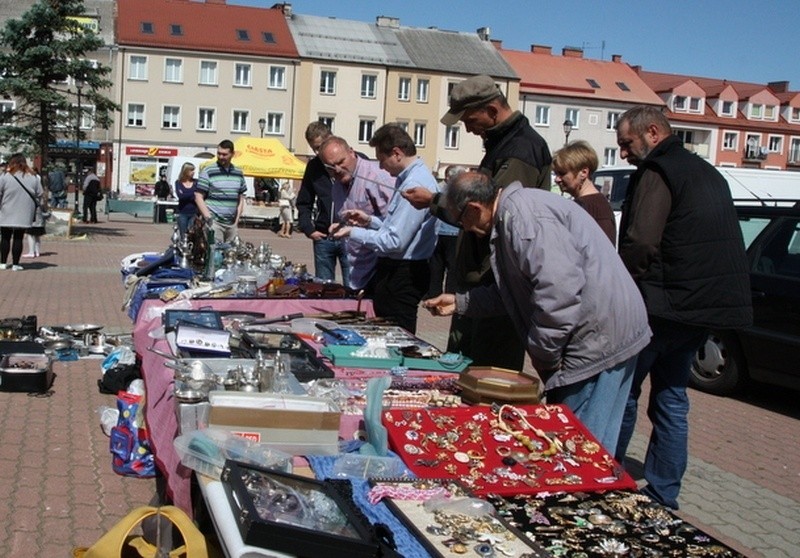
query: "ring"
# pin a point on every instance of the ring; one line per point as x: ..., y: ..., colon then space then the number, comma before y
x: 503, y: 451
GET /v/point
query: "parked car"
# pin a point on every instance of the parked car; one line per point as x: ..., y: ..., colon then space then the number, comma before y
x: 769, y: 350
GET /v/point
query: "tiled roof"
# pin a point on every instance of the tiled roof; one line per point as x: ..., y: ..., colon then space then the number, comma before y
x: 204, y: 26
x: 572, y: 76
x: 454, y: 52
x: 346, y: 40
x: 661, y: 82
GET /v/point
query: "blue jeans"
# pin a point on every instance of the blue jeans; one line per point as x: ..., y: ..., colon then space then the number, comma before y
x: 668, y: 360
x: 326, y: 252
x: 184, y: 222
x: 599, y: 402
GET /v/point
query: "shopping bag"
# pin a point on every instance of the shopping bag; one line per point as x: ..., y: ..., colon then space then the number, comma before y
x: 129, y: 443
x: 119, y: 539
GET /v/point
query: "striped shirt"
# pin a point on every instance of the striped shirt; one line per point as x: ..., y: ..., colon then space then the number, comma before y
x: 221, y: 189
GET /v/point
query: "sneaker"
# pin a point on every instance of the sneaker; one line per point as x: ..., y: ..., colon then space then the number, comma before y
x: 16, y: 268
x: 28, y: 255
x: 3, y: 266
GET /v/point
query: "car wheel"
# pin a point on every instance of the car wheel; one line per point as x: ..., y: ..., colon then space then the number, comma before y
x: 718, y: 366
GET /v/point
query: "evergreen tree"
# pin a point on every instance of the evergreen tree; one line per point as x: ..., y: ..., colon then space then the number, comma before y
x: 41, y: 60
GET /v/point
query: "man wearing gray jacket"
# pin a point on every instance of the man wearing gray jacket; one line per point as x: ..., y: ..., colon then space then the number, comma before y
x: 565, y: 289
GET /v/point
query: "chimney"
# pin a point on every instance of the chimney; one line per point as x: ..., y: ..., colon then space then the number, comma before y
x: 218, y: 2
x: 616, y: 58
x: 386, y: 21
x: 484, y: 33
x: 779, y: 86
x: 572, y: 52
x: 497, y: 43
x: 541, y: 49
x: 285, y: 7
x: 636, y: 68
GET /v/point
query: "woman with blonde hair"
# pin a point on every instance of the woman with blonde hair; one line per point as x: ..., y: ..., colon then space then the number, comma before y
x: 574, y: 165
x: 20, y: 194
x: 184, y: 190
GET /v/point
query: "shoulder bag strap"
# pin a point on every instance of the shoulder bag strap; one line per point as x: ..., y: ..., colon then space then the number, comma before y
x: 35, y: 201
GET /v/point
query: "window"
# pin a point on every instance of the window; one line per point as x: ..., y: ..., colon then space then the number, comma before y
x: 277, y: 77
x: 420, y: 130
x: 679, y: 103
x: 694, y: 104
x: 205, y: 119
x: 175, y: 30
x: 147, y: 28
x: 610, y: 156
x: 173, y: 70
x: 138, y: 68
x: 769, y: 112
x: 366, y: 127
x: 208, y: 72
x: 686, y: 136
x: 242, y: 35
x: 423, y: 88
x: 242, y: 75
x: 623, y: 86
x: 794, y: 114
x: 274, y: 123
x: 241, y: 121
x: 592, y: 83
x: 611, y: 120
x: 369, y: 84
x: 752, y: 146
x: 756, y: 111
x: 403, y: 125
x: 87, y: 117
x: 268, y: 37
x: 328, y: 121
x: 542, y: 115
x: 136, y: 115
x: 727, y: 108
x: 775, y: 144
x: 574, y: 116
x: 451, y: 137
x: 794, y: 151
x: 327, y: 82
x: 171, y: 117
x: 404, y: 89
x: 730, y: 141
x: 6, y: 106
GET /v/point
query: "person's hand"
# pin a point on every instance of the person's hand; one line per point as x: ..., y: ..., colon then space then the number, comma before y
x: 340, y: 231
x: 442, y: 305
x: 418, y: 196
x: 316, y: 235
x: 356, y: 217
x: 209, y: 220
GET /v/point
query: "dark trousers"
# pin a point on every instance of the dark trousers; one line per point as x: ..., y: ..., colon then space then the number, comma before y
x: 11, y: 241
x: 441, y: 263
x: 487, y: 341
x: 89, y: 207
x: 399, y: 287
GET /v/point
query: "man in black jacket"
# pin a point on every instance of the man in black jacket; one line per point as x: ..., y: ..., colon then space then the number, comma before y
x: 514, y: 152
x: 680, y: 239
x: 316, y: 212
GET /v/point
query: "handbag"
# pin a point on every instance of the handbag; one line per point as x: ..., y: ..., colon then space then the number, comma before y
x: 119, y: 539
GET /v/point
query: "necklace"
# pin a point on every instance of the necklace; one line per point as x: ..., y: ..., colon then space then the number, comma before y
x: 554, y: 445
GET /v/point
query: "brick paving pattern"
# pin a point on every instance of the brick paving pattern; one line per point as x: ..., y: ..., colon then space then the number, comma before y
x: 742, y: 483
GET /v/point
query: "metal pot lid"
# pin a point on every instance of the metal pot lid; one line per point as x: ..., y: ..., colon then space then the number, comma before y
x: 80, y: 329
x: 190, y: 396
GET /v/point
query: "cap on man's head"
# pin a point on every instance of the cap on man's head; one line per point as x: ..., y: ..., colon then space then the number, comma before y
x: 470, y: 93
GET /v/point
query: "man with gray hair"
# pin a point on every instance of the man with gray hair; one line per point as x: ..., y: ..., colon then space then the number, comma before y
x: 443, y: 259
x: 563, y: 287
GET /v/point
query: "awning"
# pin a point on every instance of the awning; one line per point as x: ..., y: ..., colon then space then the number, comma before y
x: 265, y: 157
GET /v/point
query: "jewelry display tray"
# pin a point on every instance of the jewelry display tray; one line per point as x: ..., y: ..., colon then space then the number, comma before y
x: 289, y: 501
x: 303, y: 360
x: 462, y: 444
x: 438, y: 540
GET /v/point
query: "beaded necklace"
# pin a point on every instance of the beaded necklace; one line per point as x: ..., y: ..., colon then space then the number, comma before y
x: 554, y: 445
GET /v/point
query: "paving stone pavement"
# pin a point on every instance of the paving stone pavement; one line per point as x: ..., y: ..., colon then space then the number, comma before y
x: 741, y: 486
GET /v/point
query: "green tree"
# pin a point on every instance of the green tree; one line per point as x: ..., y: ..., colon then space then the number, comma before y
x: 41, y: 61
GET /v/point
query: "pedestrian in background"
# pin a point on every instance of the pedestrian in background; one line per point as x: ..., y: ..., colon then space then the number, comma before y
x: 573, y: 167
x: 185, y: 190
x: 285, y: 197
x: 92, y: 193
x: 219, y: 194
x: 20, y: 193
x: 680, y: 240
x: 443, y: 273
x: 56, y: 184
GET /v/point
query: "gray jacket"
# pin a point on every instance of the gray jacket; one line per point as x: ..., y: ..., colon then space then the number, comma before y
x: 16, y: 206
x: 563, y: 285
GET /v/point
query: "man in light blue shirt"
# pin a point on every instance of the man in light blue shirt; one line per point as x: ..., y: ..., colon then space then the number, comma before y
x: 404, y: 239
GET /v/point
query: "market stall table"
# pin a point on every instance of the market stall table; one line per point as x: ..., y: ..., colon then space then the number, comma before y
x: 160, y: 412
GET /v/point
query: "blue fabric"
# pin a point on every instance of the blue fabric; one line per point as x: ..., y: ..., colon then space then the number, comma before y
x: 668, y: 360
x: 599, y: 402
x: 407, y: 545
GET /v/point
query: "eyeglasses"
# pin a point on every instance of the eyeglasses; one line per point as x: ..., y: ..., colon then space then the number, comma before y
x: 460, y: 220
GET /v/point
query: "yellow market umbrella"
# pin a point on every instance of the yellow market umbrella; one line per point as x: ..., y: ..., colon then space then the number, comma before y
x: 265, y: 157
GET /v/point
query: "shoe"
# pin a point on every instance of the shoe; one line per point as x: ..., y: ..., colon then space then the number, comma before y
x: 28, y: 255
x: 16, y: 268
x: 3, y: 266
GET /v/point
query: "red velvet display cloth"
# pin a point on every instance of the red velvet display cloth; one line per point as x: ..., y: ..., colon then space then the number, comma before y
x: 532, y: 449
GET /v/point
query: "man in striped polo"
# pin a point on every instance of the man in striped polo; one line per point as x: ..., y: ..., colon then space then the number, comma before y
x: 220, y: 194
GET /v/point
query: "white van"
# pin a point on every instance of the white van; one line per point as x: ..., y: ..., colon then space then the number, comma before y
x: 745, y: 184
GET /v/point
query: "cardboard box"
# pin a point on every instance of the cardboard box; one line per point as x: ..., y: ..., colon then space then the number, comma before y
x: 298, y: 425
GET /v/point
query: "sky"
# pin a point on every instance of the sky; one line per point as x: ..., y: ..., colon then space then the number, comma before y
x: 755, y: 41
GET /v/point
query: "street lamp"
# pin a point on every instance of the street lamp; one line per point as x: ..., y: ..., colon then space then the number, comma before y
x: 261, y: 124
x: 567, y: 130
x: 79, y: 162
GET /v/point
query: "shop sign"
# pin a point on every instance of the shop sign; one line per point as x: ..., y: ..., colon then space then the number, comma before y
x: 151, y: 151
